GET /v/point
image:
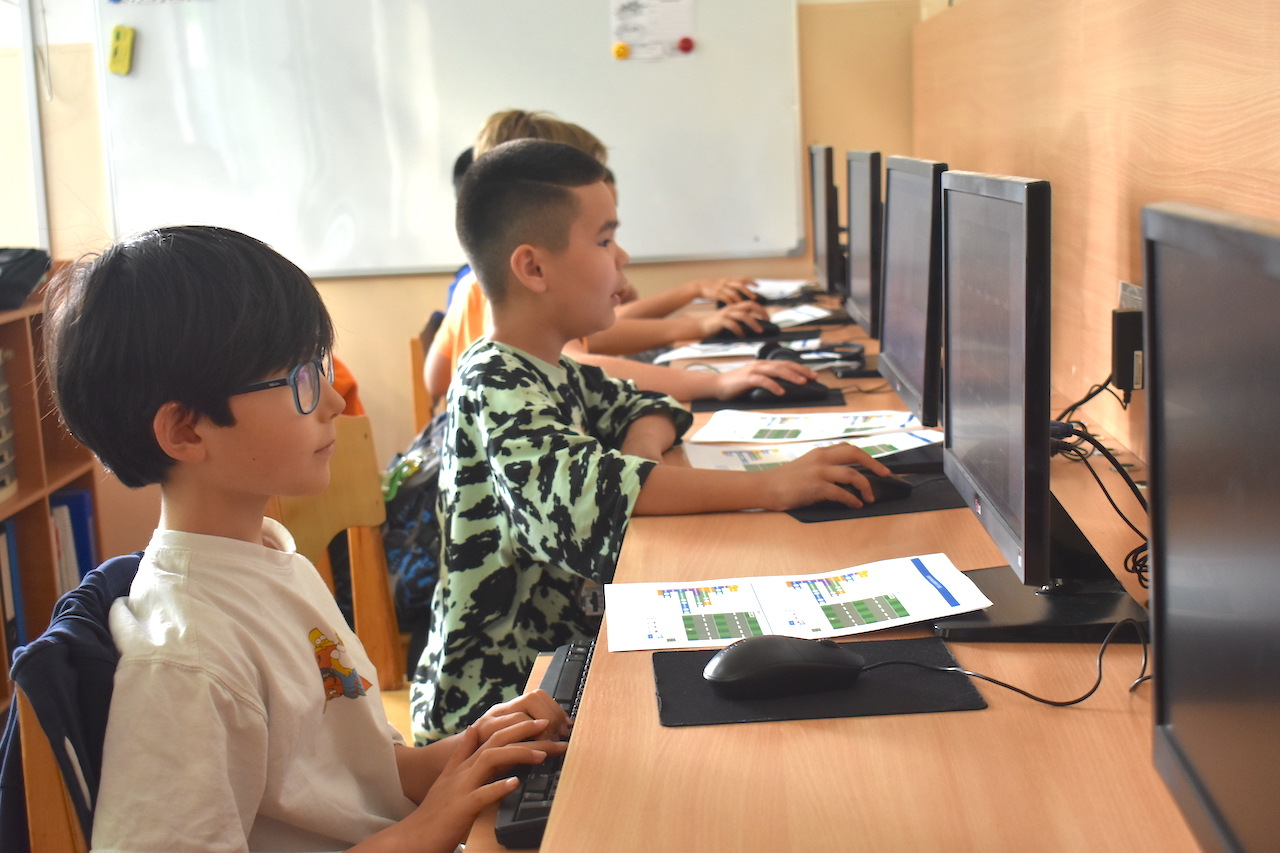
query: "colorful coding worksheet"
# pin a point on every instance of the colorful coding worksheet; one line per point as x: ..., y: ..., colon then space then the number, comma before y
x: 709, y: 614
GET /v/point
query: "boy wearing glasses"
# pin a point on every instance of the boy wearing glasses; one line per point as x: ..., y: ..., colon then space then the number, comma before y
x: 245, y: 715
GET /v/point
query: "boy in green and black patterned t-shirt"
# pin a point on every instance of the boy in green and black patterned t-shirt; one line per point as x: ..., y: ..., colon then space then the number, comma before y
x: 545, y: 459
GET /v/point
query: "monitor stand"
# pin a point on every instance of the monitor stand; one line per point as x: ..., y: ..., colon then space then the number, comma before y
x: 1080, y: 606
x: 870, y: 369
x: 926, y: 459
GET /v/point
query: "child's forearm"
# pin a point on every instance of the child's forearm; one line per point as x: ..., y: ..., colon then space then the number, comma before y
x: 637, y: 334
x: 681, y: 384
x: 820, y: 475
x: 676, y: 490
x: 661, y: 304
x: 419, y: 767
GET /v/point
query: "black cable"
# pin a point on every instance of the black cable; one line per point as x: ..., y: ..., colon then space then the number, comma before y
x: 1120, y: 468
x: 1142, y: 635
x: 1089, y: 395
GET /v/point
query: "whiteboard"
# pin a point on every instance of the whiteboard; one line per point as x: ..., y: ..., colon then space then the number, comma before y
x: 328, y: 128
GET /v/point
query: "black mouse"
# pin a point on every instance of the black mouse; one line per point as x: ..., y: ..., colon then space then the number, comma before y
x: 754, y: 297
x: 772, y: 666
x: 884, y: 488
x: 767, y: 330
x: 791, y: 393
x: 774, y: 351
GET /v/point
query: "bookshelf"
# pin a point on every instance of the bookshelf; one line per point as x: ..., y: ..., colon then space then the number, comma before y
x: 47, y: 460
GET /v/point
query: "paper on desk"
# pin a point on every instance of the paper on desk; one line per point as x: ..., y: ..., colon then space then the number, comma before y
x: 733, y: 425
x: 746, y: 457
x: 708, y: 614
x: 782, y: 288
x: 798, y: 316
x: 730, y: 349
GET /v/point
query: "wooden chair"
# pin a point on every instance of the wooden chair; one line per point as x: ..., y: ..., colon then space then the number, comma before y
x: 52, y: 823
x: 422, y: 403
x: 353, y: 502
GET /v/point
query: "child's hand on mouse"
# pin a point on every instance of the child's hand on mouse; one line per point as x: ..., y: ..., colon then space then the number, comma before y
x: 760, y: 374
x: 728, y: 290
x: 816, y: 477
x: 732, y: 317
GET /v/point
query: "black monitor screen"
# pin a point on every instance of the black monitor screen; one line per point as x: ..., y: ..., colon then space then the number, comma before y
x: 863, y: 224
x: 911, y: 317
x: 1213, y: 299
x: 996, y: 449
x: 828, y: 254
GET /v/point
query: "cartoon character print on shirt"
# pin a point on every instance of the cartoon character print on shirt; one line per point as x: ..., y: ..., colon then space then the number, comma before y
x: 338, y: 675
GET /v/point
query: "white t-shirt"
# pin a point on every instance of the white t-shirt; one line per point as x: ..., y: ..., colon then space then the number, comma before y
x: 246, y: 715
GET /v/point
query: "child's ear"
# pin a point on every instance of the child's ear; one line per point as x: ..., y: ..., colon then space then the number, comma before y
x: 175, y: 429
x: 527, y: 267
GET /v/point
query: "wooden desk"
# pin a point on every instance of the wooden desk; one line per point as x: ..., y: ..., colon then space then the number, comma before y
x: 1018, y: 776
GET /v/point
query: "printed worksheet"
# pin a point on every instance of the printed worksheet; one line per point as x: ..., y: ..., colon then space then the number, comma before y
x: 799, y: 315
x: 747, y: 457
x: 733, y: 425
x: 731, y: 349
x: 710, y: 614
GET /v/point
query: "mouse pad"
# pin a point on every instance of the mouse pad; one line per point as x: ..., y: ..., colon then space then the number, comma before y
x: 685, y: 699
x: 835, y: 397
x: 929, y: 492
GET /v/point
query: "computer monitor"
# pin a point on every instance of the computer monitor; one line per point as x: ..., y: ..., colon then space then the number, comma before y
x: 911, y: 316
x: 864, y: 240
x: 996, y: 445
x: 828, y: 253
x: 1213, y: 398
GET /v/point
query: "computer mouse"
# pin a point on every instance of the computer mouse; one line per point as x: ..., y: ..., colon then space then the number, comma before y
x: 883, y: 488
x: 772, y: 665
x: 767, y: 330
x: 754, y: 297
x: 774, y: 351
x: 791, y: 393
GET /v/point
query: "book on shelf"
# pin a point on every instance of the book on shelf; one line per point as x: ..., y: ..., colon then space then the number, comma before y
x: 64, y: 549
x: 79, y: 511
x: 15, y: 629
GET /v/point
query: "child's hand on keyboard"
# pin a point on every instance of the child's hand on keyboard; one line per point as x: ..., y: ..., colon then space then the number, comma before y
x: 534, y: 705
x: 464, y: 787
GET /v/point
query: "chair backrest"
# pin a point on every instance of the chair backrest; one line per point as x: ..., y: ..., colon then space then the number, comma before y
x: 418, y: 346
x: 352, y: 502
x: 52, y: 823
x: 63, y: 682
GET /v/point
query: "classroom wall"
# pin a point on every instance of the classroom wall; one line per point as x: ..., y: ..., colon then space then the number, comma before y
x: 855, y: 86
x: 1119, y: 103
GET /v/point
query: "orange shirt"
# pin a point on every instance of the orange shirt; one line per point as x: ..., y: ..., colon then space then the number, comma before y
x: 467, y: 320
x: 345, y: 384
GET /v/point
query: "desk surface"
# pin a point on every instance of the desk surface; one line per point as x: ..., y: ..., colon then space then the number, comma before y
x: 1017, y: 776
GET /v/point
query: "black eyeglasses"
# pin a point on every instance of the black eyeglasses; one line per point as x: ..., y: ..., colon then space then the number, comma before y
x: 303, y: 379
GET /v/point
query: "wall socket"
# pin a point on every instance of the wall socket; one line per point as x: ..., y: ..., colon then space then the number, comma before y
x: 1127, y: 365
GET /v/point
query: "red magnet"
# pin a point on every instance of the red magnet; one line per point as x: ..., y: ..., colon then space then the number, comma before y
x: 685, y: 45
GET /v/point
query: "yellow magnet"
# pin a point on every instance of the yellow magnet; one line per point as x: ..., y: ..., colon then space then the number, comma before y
x: 121, y: 50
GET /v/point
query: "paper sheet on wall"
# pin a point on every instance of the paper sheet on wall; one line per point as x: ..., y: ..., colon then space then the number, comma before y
x: 747, y: 457
x: 733, y: 425
x: 709, y: 614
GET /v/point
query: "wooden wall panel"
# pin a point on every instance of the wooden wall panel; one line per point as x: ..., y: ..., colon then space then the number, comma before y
x: 1119, y: 103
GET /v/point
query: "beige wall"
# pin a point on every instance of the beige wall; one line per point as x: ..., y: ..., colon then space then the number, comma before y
x: 1119, y: 103
x: 855, y: 81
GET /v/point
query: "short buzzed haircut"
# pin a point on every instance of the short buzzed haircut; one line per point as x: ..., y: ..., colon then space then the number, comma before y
x: 518, y: 193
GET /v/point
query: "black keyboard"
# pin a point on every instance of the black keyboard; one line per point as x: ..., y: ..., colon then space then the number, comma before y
x: 522, y: 814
